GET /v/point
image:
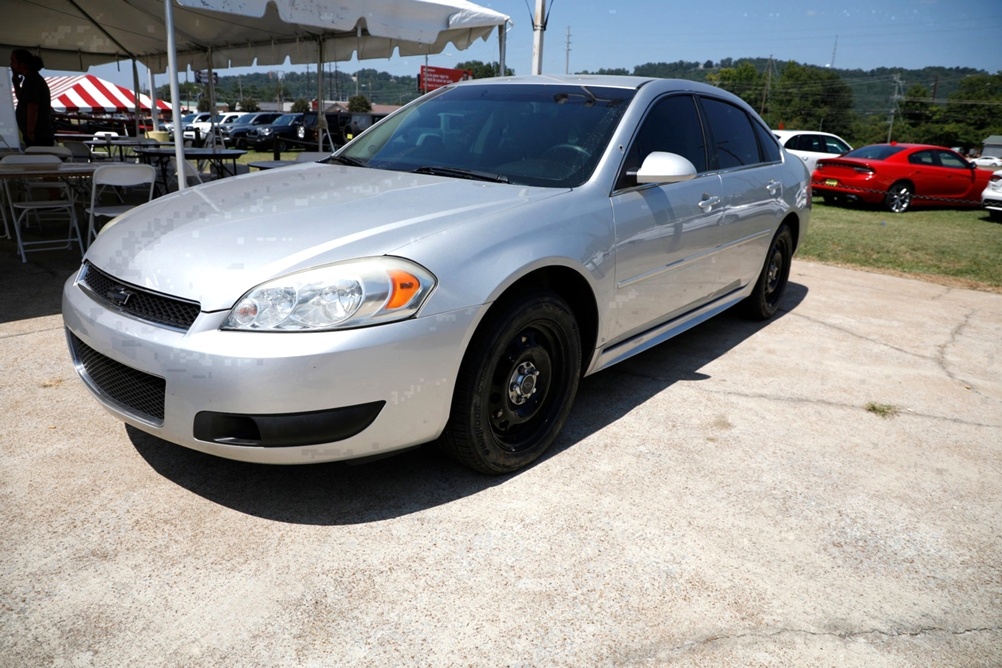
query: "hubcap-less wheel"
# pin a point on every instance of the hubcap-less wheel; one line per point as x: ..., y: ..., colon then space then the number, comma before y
x: 899, y: 198
x: 519, y: 388
x: 764, y: 300
x: 516, y: 384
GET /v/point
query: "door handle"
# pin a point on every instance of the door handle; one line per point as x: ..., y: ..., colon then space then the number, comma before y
x: 773, y: 186
x: 708, y: 202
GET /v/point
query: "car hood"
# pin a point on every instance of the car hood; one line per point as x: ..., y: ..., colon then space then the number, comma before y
x: 214, y: 242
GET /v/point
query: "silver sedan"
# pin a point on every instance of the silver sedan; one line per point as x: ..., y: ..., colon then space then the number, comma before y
x: 448, y: 276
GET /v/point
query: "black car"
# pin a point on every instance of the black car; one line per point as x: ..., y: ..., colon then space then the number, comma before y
x: 282, y: 134
x: 235, y: 134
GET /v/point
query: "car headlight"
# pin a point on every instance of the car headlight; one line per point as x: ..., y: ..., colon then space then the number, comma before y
x: 345, y: 295
x: 265, y: 131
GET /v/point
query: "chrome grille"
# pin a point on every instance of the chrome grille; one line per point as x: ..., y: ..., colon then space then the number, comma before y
x: 138, y: 302
x: 136, y: 392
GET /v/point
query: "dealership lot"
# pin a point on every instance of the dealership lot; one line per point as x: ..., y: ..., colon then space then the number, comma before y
x: 822, y: 489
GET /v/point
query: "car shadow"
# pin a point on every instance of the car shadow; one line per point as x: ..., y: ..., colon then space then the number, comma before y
x: 344, y: 493
x: 33, y: 289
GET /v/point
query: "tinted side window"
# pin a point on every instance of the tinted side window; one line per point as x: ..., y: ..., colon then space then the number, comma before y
x: 951, y: 160
x: 922, y: 158
x: 767, y: 141
x: 672, y: 125
x: 734, y: 143
x: 833, y: 145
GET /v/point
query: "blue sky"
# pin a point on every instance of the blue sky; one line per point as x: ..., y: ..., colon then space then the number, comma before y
x: 907, y: 34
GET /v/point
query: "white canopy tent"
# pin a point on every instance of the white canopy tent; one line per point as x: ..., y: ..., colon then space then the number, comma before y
x: 173, y: 35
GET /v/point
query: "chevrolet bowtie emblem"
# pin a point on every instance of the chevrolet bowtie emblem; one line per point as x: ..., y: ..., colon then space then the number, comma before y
x: 119, y: 296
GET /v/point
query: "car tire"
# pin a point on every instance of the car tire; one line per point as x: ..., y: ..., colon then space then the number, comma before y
x: 995, y: 215
x: 241, y: 144
x: 899, y: 197
x: 281, y: 145
x: 301, y: 132
x: 764, y: 300
x: 516, y: 384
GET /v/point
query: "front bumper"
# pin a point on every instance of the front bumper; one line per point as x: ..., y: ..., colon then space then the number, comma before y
x: 258, y: 397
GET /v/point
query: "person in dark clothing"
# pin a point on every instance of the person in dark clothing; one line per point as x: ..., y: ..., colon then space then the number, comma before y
x: 34, y: 102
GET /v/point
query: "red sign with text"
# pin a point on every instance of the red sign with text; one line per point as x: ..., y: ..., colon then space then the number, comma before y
x: 431, y: 78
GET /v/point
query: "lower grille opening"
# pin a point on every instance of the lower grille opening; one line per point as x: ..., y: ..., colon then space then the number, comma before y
x: 136, y: 392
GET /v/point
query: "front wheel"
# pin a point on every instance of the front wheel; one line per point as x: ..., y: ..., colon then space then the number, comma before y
x: 516, y: 384
x: 899, y: 197
x: 764, y: 300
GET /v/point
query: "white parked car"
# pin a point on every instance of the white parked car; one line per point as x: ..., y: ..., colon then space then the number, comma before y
x: 204, y: 124
x: 991, y: 197
x: 812, y: 146
x: 437, y: 281
x: 987, y: 161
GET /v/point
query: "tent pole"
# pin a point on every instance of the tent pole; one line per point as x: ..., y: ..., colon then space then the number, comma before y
x: 502, y: 47
x: 175, y: 94
x: 136, y: 106
x: 321, y: 116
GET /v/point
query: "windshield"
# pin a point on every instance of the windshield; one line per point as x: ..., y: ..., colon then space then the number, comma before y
x: 286, y: 119
x: 530, y: 134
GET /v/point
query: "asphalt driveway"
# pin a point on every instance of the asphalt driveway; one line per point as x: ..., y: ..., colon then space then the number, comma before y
x: 820, y: 490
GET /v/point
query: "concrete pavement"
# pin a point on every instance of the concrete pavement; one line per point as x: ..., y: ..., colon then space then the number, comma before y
x: 724, y: 500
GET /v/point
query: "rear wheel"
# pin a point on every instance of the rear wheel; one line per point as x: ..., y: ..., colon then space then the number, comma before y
x: 899, y: 197
x: 516, y: 384
x: 764, y: 300
x: 241, y: 143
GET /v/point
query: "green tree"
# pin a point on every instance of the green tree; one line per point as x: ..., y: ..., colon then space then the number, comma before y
x: 301, y: 105
x: 359, y: 103
x: 482, y: 70
x: 745, y: 81
x: 249, y: 104
x: 810, y: 98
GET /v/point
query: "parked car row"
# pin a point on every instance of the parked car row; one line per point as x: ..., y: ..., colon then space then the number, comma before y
x: 894, y: 175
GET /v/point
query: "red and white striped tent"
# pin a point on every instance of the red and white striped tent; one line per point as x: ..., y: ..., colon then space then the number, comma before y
x: 88, y: 94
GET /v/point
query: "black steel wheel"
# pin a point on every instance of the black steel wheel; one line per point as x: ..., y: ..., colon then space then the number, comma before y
x: 764, y: 300
x: 516, y: 384
x: 899, y: 197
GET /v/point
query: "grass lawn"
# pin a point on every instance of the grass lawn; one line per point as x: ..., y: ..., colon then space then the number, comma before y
x: 959, y: 247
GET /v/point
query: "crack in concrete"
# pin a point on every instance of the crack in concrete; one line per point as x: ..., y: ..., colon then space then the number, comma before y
x: 14, y: 335
x: 844, y: 635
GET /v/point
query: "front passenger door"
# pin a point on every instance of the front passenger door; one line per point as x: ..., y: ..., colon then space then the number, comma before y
x: 664, y: 230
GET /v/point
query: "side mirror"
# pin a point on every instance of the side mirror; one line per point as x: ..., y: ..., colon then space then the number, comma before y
x: 662, y: 167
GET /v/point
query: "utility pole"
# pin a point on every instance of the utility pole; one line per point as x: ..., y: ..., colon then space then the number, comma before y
x: 831, y: 65
x: 898, y: 86
x: 765, y: 91
x: 567, y: 53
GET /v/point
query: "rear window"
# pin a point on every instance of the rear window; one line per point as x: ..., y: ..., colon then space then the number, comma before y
x: 875, y: 152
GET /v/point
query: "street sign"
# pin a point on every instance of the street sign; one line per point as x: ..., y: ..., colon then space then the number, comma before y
x: 431, y: 78
x: 202, y: 76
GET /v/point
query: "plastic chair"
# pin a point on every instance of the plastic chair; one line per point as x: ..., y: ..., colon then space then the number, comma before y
x: 120, y: 175
x: 22, y: 209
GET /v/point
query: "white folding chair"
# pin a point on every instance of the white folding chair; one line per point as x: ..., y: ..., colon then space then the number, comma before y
x: 60, y: 152
x: 120, y: 175
x: 79, y: 151
x: 41, y: 209
x: 192, y: 177
x: 103, y: 153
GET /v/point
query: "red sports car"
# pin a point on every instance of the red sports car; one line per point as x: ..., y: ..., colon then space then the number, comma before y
x: 899, y: 175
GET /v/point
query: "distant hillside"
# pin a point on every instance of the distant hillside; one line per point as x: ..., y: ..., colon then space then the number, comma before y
x: 872, y: 90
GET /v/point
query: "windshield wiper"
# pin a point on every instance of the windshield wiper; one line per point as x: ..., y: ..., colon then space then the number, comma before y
x: 344, y: 160
x: 462, y: 174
